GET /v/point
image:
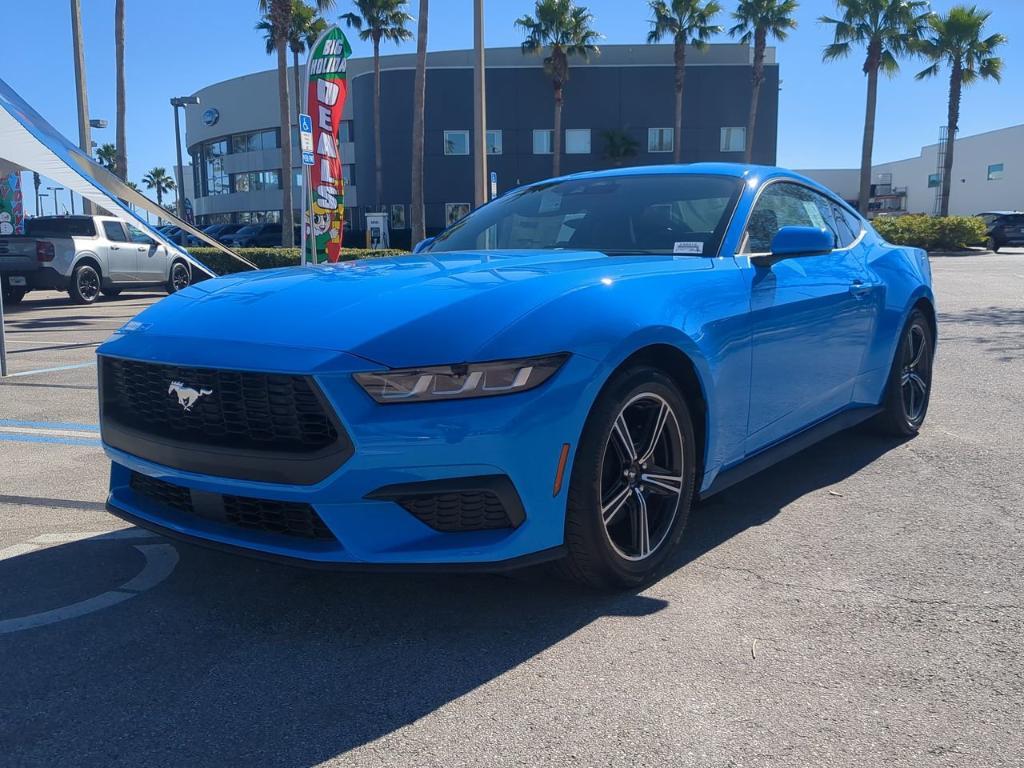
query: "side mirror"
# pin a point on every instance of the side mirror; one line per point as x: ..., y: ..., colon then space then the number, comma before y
x: 422, y: 244
x: 793, y: 242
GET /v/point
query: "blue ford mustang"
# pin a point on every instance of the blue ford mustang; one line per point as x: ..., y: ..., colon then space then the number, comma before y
x: 558, y: 376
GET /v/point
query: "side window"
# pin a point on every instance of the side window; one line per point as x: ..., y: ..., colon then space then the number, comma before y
x: 786, y: 205
x: 140, y: 237
x: 114, y: 232
x: 848, y: 226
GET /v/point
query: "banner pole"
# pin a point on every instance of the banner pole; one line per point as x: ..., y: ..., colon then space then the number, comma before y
x: 3, y: 338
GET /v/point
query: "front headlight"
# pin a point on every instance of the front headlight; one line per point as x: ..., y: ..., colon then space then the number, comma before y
x: 456, y: 382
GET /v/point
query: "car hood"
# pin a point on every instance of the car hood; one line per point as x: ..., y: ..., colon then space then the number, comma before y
x: 413, y: 310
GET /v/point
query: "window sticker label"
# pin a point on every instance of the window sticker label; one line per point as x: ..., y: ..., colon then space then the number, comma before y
x: 688, y: 247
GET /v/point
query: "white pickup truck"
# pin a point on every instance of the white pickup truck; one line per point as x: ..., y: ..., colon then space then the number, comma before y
x: 87, y: 256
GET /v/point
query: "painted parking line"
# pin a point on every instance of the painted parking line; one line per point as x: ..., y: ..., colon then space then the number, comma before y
x: 91, y: 364
x: 60, y: 433
x: 161, y: 559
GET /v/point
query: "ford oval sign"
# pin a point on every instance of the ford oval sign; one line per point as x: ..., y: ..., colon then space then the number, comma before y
x: 211, y: 116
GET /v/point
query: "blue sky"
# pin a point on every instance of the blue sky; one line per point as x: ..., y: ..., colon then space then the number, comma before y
x: 175, y: 48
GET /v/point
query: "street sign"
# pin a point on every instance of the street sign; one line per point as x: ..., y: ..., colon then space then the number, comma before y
x: 306, y: 136
x: 494, y: 184
x: 307, y: 158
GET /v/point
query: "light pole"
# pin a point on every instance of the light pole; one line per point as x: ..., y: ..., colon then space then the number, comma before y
x: 180, y: 101
x: 39, y: 202
x: 55, y: 190
x: 84, y: 140
x: 479, y: 108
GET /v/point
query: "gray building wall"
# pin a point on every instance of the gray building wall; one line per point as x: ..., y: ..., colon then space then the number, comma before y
x: 627, y: 88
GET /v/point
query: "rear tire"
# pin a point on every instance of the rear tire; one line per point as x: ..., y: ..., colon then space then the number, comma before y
x: 993, y: 245
x: 909, y: 387
x: 627, y: 507
x: 85, y: 284
x: 14, y: 294
x: 180, y: 277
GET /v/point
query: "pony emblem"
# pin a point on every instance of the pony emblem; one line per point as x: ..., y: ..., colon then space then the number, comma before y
x: 187, y: 396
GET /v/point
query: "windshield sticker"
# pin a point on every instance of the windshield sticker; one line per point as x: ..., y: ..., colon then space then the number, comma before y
x: 688, y: 247
x: 550, y: 202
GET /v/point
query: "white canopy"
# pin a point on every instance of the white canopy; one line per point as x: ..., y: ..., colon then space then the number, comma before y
x: 29, y: 141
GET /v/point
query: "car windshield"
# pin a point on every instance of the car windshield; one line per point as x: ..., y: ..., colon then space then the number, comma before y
x: 249, y: 229
x: 617, y: 215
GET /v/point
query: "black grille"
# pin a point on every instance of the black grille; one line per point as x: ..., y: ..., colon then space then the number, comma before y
x: 459, y: 511
x: 249, y: 411
x: 288, y: 518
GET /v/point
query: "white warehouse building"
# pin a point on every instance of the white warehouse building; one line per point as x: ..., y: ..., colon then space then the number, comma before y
x: 988, y: 175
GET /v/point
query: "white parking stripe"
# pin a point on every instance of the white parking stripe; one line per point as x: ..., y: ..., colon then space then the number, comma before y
x: 54, y: 432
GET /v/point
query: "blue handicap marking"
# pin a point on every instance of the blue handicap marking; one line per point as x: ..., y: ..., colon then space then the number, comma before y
x: 305, y: 123
x: 307, y: 158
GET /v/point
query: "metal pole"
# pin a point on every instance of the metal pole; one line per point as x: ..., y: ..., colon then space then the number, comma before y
x: 84, y: 139
x: 177, y: 146
x: 479, y: 108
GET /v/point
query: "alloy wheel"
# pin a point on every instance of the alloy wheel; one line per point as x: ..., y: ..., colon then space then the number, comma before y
x: 179, y: 277
x: 641, y: 476
x: 915, y: 377
x: 88, y: 283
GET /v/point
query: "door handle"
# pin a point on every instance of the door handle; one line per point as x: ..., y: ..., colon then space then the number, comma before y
x: 115, y: 247
x: 859, y: 289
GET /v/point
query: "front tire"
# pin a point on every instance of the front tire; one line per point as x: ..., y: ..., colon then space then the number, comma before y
x: 85, y: 284
x: 632, y: 482
x: 993, y: 245
x: 180, y: 277
x: 909, y: 388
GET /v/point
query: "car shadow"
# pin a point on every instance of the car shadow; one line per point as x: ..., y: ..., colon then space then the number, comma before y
x: 233, y: 661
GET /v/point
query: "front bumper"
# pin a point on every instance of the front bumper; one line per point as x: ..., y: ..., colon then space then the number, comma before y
x: 518, y: 437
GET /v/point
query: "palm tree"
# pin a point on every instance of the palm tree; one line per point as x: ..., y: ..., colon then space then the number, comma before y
x: 158, y: 179
x: 567, y: 30
x: 379, y: 20
x: 279, y: 14
x: 120, y: 167
x: 888, y: 30
x: 306, y: 27
x: 687, y: 22
x: 419, y: 229
x: 755, y: 21
x: 956, y: 40
x: 618, y: 146
x: 106, y: 155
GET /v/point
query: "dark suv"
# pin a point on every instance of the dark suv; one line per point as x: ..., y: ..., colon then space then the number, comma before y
x: 1004, y: 228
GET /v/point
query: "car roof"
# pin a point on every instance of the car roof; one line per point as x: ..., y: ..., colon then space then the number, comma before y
x: 997, y: 213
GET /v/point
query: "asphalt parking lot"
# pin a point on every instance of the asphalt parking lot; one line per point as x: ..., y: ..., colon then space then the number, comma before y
x: 858, y: 605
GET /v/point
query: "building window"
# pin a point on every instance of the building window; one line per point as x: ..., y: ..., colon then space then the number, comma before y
x: 995, y: 172
x: 455, y: 211
x: 733, y: 139
x: 398, y: 217
x: 577, y: 141
x: 255, y: 181
x: 348, y: 173
x: 542, y: 142
x: 660, y: 139
x: 934, y: 179
x: 456, y: 142
x: 345, y: 131
x: 258, y: 217
x: 255, y: 141
x: 215, y: 178
x: 494, y: 142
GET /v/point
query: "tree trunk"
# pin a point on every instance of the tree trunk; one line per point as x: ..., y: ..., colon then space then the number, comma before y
x: 952, y: 120
x: 556, y: 133
x: 869, y: 137
x: 287, y: 212
x: 677, y: 138
x: 81, y: 92
x: 378, y: 157
x: 417, y: 214
x: 121, y: 152
x: 760, y: 41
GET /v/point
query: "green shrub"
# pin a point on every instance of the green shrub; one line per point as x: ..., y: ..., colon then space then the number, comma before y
x: 933, y: 233
x: 269, y: 258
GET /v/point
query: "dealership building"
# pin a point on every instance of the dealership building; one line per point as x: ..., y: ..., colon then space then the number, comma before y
x: 233, y: 136
x: 988, y: 175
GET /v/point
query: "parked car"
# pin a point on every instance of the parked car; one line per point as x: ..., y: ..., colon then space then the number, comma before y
x: 255, y: 236
x: 219, y: 231
x: 86, y: 256
x: 1005, y: 228
x: 558, y: 376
